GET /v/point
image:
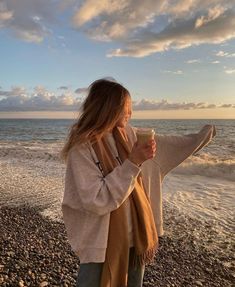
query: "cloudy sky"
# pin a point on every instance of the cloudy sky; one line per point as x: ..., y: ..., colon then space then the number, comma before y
x: 176, y: 57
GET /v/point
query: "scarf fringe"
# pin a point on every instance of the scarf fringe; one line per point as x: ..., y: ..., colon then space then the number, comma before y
x: 145, y: 258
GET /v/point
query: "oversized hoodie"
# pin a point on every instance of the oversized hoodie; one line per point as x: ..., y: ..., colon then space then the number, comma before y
x: 89, y: 197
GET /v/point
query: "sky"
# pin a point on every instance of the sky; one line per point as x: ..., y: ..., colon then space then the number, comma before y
x: 176, y: 57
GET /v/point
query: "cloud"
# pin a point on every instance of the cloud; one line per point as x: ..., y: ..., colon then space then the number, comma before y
x: 227, y: 106
x: 230, y: 71
x: 146, y: 104
x: 180, y: 34
x: 215, y: 62
x: 37, y: 100
x: 178, y: 72
x: 139, y: 29
x: 193, y: 61
x: 107, y: 20
x: 40, y: 99
x: 93, y: 8
x: 156, y: 26
x: 225, y: 54
x: 15, y: 91
x: 81, y: 90
x: 63, y: 88
x: 5, y: 14
x: 213, y: 13
x: 28, y: 20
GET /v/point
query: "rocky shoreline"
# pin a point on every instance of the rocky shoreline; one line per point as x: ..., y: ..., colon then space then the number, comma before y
x: 34, y: 252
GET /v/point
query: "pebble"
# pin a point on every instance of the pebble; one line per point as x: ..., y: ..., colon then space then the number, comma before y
x: 43, y: 284
x: 10, y: 253
x: 43, y: 276
x: 198, y: 283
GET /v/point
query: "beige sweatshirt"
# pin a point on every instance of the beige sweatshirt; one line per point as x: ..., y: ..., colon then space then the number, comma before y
x: 89, y: 197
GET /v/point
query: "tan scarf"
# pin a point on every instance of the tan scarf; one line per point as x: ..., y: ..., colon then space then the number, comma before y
x: 115, y: 268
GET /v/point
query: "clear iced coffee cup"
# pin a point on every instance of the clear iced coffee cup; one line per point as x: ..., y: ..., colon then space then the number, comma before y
x: 144, y: 135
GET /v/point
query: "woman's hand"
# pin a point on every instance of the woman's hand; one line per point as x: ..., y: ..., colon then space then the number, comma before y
x: 142, y: 152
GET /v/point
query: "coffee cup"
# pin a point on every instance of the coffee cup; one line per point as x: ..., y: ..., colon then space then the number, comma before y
x: 144, y: 135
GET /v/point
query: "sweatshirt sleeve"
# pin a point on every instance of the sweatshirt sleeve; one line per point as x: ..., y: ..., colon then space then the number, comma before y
x: 87, y: 189
x: 173, y: 150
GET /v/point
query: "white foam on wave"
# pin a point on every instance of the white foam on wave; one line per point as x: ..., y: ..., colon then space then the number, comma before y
x: 207, y: 200
x: 208, y: 165
x: 201, y: 197
x: 31, y: 151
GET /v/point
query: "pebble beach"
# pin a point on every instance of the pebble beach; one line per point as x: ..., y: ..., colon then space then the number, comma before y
x: 197, y: 249
x: 34, y: 252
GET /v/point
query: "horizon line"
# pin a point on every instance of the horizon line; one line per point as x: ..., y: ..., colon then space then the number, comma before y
x: 150, y: 119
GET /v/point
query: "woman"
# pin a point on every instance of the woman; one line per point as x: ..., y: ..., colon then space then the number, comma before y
x: 112, y: 224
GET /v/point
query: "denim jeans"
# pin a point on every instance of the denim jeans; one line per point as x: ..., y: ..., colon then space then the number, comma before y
x: 90, y: 275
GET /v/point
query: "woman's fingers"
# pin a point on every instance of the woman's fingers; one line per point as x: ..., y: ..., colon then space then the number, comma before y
x: 150, y: 151
x: 142, y: 152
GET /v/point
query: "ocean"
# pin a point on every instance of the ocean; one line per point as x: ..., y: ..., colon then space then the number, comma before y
x: 215, y: 160
x: 202, y: 187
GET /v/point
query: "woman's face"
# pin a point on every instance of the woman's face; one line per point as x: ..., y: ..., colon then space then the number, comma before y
x: 125, y: 115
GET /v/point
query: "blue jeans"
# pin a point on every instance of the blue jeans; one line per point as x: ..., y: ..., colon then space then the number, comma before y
x: 90, y: 275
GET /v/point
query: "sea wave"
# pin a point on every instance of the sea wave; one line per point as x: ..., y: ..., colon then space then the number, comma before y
x: 204, y: 163
x: 208, y: 165
x: 32, y: 151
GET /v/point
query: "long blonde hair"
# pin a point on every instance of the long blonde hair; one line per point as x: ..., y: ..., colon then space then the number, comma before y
x: 100, y: 112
